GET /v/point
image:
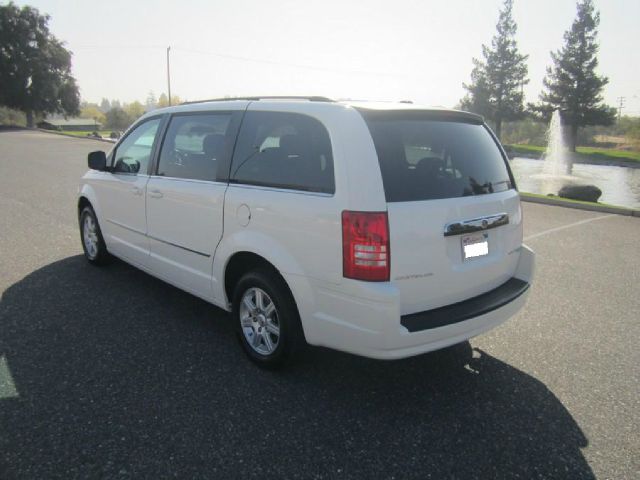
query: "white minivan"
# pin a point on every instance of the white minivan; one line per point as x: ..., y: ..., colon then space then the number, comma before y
x: 381, y: 229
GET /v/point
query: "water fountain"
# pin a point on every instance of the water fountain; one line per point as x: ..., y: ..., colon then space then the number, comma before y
x: 556, y: 158
x: 619, y: 185
x: 557, y: 168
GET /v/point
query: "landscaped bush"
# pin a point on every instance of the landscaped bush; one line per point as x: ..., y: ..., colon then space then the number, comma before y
x: 12, y: 117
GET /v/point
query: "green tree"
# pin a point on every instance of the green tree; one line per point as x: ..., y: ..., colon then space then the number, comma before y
x: 151, y: 102
x: 163, y: 100
x: 134, y: 110
x: 91, y: 110
x: 572, y: 85
x: 630, y: 128
x: 496, y: 84
x: 117, y: 119
x: 528, y: 131
x: 105, y: 105
x: 35, y: 68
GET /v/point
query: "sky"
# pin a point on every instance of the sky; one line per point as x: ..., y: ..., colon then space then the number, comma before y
x: 376, y: 50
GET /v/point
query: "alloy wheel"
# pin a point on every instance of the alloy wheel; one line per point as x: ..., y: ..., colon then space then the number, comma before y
x: 259, y: 321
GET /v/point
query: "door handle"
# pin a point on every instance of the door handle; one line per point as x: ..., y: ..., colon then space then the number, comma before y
x: 136, y: 190
x: 155, y: 193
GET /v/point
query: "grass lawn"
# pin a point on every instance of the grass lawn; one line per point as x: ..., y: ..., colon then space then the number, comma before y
x: 594, y: 152
x: 103, y: 133
x: 604, y: 152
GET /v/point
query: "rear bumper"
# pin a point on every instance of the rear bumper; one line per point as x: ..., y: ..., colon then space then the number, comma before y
x: 364, y: 318
x: 466, y: 310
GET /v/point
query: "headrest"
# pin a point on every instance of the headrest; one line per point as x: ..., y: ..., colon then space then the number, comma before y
x: 429, y: 162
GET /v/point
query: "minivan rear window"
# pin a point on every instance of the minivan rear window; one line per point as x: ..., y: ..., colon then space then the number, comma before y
x: 426, y: 156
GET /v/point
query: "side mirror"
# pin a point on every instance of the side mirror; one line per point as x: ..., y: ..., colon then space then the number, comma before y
x: 97, y: 160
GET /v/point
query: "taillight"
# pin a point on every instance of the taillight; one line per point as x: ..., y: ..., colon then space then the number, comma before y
x: 365, y: 246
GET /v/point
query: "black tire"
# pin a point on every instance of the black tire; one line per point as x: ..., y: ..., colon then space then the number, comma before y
x: 100, y: 256
x: 291, y: 337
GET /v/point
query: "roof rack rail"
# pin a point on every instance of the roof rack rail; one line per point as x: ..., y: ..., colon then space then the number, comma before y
x: 267, y: 97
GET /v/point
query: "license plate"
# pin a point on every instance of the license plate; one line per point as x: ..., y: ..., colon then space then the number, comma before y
x: 475, y: 245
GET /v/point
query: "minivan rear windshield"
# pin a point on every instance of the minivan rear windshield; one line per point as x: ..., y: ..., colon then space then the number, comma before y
x: 425, y: 156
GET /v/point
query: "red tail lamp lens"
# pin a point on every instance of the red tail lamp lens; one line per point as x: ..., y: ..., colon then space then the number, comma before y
x: 365, y: 246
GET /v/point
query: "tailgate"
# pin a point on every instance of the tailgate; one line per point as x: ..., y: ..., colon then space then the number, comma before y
x: 429, y: 268
x: 444, y: 175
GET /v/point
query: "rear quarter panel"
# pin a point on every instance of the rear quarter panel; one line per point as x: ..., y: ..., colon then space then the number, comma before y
x: 300, y: 233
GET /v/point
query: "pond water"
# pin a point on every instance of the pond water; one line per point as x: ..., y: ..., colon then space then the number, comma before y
x: 619, y: 185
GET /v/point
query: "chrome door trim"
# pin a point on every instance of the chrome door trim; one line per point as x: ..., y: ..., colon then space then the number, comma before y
x: 179, y: 246
x: 158, y: 239
x: 122, y: 225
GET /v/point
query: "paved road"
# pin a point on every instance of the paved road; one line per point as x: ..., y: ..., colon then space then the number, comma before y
x: 109, y: 373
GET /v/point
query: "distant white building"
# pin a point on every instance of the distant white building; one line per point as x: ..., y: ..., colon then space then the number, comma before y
x: 73, y: 124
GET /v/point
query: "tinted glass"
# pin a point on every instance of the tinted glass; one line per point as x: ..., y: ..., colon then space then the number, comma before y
x: 194, y: 146
x: 428, y: 158
x: 134, y: 153
x: 284, y: 150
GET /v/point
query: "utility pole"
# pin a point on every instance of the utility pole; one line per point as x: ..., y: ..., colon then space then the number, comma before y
x: 168, y: 76
x: 620, y: 106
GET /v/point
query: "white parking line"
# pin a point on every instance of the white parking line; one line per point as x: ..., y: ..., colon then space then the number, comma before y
x: 570, y: 225
x: 7, y: 387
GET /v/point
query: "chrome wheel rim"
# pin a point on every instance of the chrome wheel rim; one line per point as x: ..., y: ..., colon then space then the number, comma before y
x: 259, y: 321
x: 90, y: 236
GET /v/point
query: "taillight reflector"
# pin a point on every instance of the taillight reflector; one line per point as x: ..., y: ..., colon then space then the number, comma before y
x: 365, y: 246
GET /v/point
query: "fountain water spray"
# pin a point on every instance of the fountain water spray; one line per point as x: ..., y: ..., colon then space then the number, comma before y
x: 556, y: 158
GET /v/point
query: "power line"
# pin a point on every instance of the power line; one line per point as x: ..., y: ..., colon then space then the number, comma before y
x: 240, y: 58
x: 116, y: 47
x: 283, y: 64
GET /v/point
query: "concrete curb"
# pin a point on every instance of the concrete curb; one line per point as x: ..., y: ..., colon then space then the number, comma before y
x: 580, y: 206
x: 105, y: 140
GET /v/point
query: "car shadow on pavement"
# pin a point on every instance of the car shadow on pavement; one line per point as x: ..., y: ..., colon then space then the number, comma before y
x: 120, y: 375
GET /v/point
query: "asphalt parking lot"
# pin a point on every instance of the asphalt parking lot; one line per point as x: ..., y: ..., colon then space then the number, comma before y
x: 110, y: 373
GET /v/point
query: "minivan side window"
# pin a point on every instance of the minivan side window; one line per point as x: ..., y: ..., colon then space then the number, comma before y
x: 283, y: 150
x: 194, y: 146
x: 134, y: 152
